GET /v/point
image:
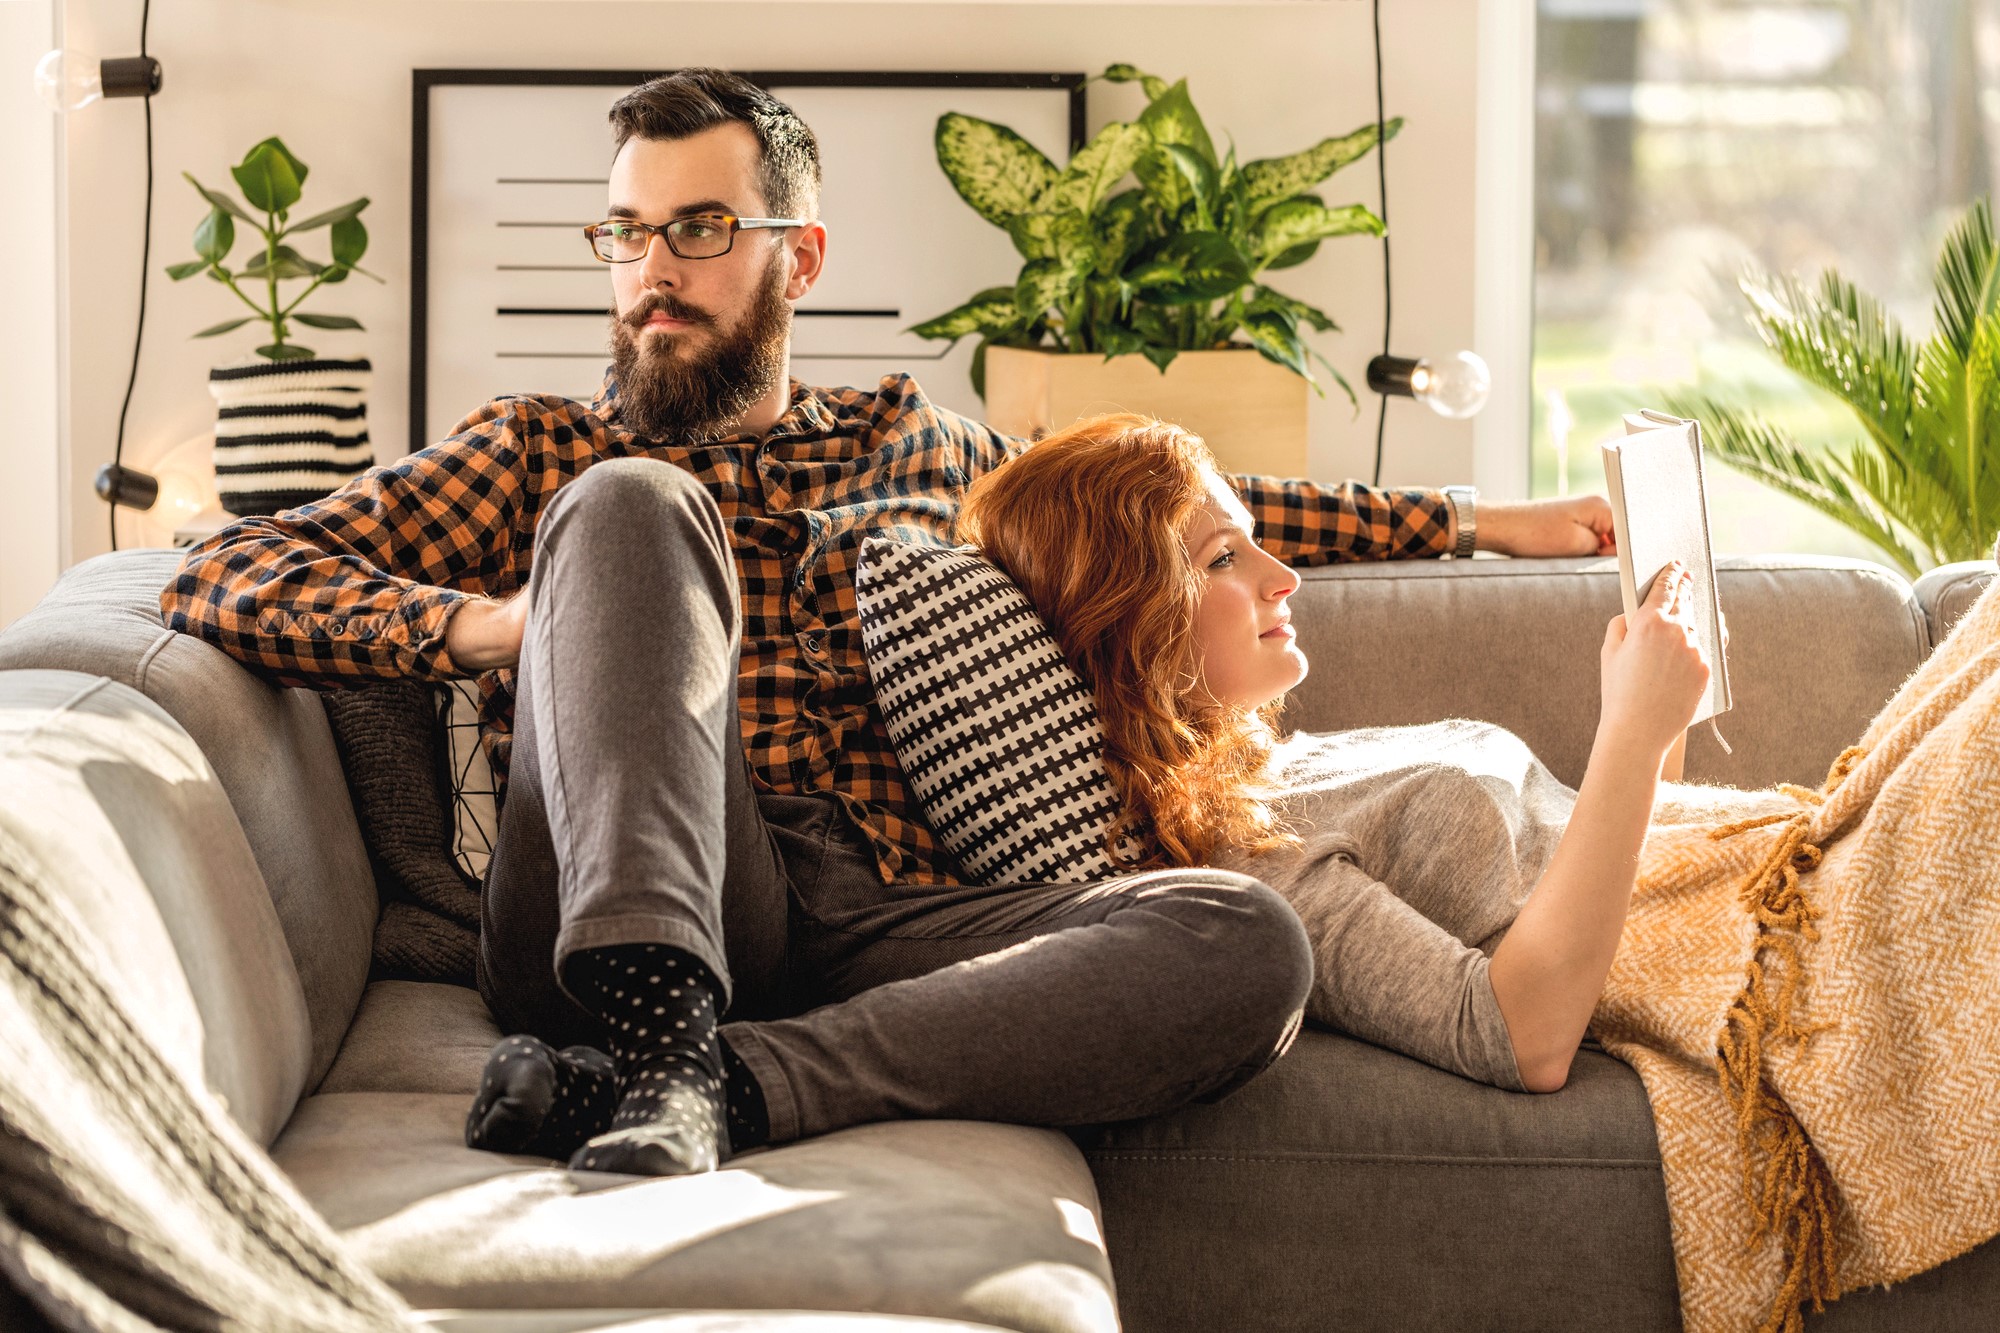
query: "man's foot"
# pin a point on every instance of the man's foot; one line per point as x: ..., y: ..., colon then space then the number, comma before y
x: 536, y: 1100
x: 658, y: 1007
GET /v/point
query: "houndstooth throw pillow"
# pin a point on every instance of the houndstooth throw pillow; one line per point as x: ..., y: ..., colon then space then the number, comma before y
x: 998, y: 736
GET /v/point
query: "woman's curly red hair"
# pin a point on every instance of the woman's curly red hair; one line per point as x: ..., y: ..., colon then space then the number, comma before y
x: 1088, y: 522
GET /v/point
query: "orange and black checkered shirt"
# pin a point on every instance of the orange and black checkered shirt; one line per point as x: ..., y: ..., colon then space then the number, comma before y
x: 360, y: 586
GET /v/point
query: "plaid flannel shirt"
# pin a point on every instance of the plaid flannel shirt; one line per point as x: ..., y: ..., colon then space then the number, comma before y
x: 360, y: 586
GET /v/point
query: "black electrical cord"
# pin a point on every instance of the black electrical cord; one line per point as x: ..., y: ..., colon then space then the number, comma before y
x: 1382, y: 182
x: 145, y: 266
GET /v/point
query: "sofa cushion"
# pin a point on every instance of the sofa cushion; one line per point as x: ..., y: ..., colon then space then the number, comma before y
x: 393, y: 750
x: 1817, y: 644
x: 1346, y: 1172
x: 990, y: 1223
x: 415, y: 1036
x: 109, y: 796
x: 997, y: 734
x: 681, y: 1321
x: 1372, y: 1192
x: 270, y: 748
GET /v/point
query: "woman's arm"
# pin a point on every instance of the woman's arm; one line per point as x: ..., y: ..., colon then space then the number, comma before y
x: 1671, y: 767
x: 1548, y: 972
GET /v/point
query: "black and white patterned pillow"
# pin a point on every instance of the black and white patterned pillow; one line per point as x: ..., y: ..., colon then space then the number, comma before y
x: 998, y: 736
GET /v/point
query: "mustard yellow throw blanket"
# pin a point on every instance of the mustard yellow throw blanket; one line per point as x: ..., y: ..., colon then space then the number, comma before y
x: 1809, y: 986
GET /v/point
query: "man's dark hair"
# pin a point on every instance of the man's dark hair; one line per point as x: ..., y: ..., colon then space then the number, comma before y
x: 682, y: 104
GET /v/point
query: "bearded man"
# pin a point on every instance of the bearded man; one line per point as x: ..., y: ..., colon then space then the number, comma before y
x: 702, y: 817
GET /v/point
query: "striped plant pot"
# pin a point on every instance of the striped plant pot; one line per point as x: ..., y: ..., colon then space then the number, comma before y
x: 288, y: 432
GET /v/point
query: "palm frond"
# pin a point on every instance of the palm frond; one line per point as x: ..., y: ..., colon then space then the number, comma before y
x: 1967, y: 278
x: 1915, y: 500
x: 1843, y: 341
x: 1769, y: 456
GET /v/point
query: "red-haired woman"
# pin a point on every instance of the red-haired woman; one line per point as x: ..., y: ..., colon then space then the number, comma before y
x: 1470, y: 910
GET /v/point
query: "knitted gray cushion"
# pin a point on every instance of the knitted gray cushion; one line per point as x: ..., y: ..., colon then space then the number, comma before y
x: 999, y: 737
x: 391, y: 739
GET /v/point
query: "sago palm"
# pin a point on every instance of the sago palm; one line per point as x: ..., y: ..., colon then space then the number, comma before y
x: 1923, y: 481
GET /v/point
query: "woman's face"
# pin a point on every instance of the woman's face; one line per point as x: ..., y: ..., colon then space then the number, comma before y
x: 1245, y: 650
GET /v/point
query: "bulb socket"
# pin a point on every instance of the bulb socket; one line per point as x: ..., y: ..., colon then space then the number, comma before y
x: 1393, y: 376
x: 130, y: 76
x: 127, y: 486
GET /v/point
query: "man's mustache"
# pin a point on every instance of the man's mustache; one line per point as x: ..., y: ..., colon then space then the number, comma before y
x: 669, y: 305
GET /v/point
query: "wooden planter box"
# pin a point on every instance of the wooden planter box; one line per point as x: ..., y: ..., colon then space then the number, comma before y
x: 1251, y: 412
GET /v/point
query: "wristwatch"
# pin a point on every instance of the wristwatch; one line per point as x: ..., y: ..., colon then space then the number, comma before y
x: 1464, y: 502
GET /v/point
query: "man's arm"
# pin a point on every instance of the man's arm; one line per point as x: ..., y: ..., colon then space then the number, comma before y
x: 364, y: 584
x: 1564, y: 525
x: 1306, y: 523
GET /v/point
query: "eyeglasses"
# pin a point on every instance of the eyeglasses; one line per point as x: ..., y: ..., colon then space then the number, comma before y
x: 707, y: 236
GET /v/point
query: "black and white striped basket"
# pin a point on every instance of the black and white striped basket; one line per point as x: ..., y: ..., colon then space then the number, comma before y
x: 288, y: 432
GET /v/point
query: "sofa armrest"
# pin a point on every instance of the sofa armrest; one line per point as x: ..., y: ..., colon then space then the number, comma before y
x: 272, y: 751
x: 1945, y: 593
x: 1817, y: 646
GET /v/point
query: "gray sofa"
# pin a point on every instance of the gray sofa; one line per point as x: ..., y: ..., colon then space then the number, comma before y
x: 1348, y: 1187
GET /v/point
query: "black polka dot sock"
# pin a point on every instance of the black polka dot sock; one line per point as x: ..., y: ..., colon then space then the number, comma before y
x: 749, y: 1122
x: 538, y: 1100
x: 658, y: 1006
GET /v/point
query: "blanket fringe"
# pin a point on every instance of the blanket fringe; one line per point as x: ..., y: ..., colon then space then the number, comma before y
x: 1785, y: 1183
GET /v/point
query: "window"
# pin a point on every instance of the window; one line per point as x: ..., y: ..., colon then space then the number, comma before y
x: 1678, y: 139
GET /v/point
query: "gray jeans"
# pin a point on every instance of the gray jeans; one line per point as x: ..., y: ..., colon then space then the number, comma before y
x: 630, y: 817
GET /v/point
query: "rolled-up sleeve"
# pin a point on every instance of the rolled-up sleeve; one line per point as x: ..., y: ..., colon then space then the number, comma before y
x: 362, y: 585
x: 1306, y: 523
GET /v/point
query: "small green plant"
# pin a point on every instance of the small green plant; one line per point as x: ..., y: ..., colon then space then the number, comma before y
x: 1168, y: 266
x: 271, y: 180
x: 1923, y: 481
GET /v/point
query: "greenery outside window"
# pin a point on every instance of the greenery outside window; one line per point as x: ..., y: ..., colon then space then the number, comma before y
x: 1677, y: 140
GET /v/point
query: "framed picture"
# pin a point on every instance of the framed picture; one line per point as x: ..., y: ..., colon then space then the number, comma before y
x: 508, y: 166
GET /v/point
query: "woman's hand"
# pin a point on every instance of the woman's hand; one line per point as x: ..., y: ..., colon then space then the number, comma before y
x: 1653, y: 670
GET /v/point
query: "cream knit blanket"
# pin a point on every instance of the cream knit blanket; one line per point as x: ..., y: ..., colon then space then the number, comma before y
x: 1809, y: 986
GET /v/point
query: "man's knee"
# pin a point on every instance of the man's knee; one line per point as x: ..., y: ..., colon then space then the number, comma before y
x: 632, y: 494
x: 1256, y: 963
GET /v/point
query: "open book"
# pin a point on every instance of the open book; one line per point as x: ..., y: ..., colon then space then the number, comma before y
x: 1659, y: 513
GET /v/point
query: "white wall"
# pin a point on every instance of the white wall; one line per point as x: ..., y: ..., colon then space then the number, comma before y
x: 31, y: 507
x: 333, y: 81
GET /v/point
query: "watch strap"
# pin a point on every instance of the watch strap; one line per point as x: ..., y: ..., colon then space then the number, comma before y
x: 1465, y: 509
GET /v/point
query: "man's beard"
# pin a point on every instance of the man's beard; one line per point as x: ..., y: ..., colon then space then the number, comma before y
x: 676, y: 389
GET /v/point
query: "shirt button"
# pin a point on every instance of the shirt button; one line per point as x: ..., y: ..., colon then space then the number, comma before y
x: 812, y: 643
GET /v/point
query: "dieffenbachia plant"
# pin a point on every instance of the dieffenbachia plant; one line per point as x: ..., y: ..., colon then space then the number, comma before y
x: 1169, y: 265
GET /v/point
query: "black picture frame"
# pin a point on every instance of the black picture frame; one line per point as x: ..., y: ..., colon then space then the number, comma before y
x: 422, y: 81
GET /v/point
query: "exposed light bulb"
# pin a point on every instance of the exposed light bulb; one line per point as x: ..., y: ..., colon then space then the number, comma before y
x: 70, y: 80
x: 1454, y: 386
x: 182, y: 496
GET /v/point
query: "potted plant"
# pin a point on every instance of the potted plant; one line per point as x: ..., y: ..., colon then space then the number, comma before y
x: 1922, y: 482
x: 1151, y: 296
x: 290, y: 426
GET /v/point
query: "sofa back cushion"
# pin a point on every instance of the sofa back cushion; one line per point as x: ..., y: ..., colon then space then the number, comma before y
x: 101, y: 792
x: 270, y: 748
x: 1817, y: 644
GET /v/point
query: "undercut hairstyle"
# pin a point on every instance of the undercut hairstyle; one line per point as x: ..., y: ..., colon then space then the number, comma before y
x: 683, y: 104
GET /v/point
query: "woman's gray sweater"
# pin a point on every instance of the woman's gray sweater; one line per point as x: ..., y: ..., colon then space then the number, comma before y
x: 1420, y: 845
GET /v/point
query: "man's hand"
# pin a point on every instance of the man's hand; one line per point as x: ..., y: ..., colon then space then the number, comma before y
x: 1570, y: 525
x: 484, y: 634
